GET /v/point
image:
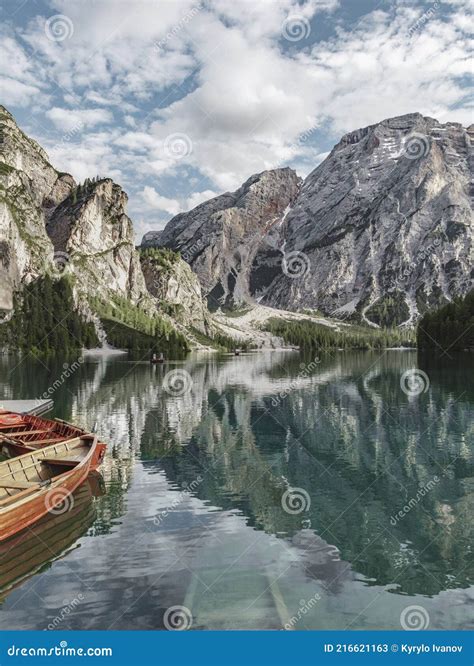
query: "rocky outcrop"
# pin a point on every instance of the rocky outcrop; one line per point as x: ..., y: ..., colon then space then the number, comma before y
x: 383, y: 227
x: 93, y: 236
x: 26, y: 181
x: 219, y: 238
x: 176, y: 289
x: 379, y: 232
x: 49, y: 224
x: 151, y: 239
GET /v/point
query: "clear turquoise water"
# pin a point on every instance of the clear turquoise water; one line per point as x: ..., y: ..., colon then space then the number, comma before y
x: 192, y: 512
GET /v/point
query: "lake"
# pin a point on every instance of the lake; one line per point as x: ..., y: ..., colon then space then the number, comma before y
x: 264, y: 491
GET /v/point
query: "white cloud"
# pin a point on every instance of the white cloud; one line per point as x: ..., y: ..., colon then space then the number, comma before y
x: 93, y: 155
x: 16, y: 93
x: 198, y: 197
x: 70, y: 119
x: 224, y: 76
x: 157, y: 202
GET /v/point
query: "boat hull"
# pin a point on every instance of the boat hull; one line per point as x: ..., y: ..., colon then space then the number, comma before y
x: 24, y: 433
x: 52, y: 537
x: 29, y: 506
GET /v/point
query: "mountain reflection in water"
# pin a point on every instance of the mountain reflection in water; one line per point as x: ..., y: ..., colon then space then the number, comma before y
x: 193, y: 512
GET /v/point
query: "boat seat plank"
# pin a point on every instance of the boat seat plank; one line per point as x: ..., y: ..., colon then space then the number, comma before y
x: 18, y: 485
x: 23, y: 433
x: 43, y: 441
x: 66, y: 462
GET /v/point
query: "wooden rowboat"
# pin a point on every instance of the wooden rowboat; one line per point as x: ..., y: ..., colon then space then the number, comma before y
x: 24, y: 433
x: 52, y: 537
x: 39, y: 482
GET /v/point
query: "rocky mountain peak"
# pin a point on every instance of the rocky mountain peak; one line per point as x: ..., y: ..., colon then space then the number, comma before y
x: 379, y: 231
x: 384, y: 223
x: 219, y: 238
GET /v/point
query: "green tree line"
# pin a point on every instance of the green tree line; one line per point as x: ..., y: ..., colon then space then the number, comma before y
x: 45, y: 320
x: 449, y: 327
x: 311, y: 336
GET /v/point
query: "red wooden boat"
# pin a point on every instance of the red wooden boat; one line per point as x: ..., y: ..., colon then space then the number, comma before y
x: 24, y: 433
x: 39, y: 482
x: 50, y: 539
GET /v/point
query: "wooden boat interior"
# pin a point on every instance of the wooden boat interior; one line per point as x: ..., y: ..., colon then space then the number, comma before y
x: 35, y: 431
x: 25, y: 474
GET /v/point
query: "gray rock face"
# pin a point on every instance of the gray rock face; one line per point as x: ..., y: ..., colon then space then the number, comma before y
x: 379, y: 231
x: 383, y: 227
x: 220, y: 237
x: 177, y: 290
x: 151, y: 239
x: 49, y: 224
x: 26, y: 181
x: 92, y: 232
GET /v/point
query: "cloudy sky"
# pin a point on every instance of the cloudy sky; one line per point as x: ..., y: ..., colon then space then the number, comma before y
x: 180, y: 99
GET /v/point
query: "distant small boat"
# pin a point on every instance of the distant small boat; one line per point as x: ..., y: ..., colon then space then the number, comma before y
x: 236, y: 352
x: 36, y: 483
x: 157, y: 359
x: 24, y: 433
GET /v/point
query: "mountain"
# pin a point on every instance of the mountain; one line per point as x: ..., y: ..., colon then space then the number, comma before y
x: 51, y: 226
x: 218, y: 238
x: 379, y: 232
